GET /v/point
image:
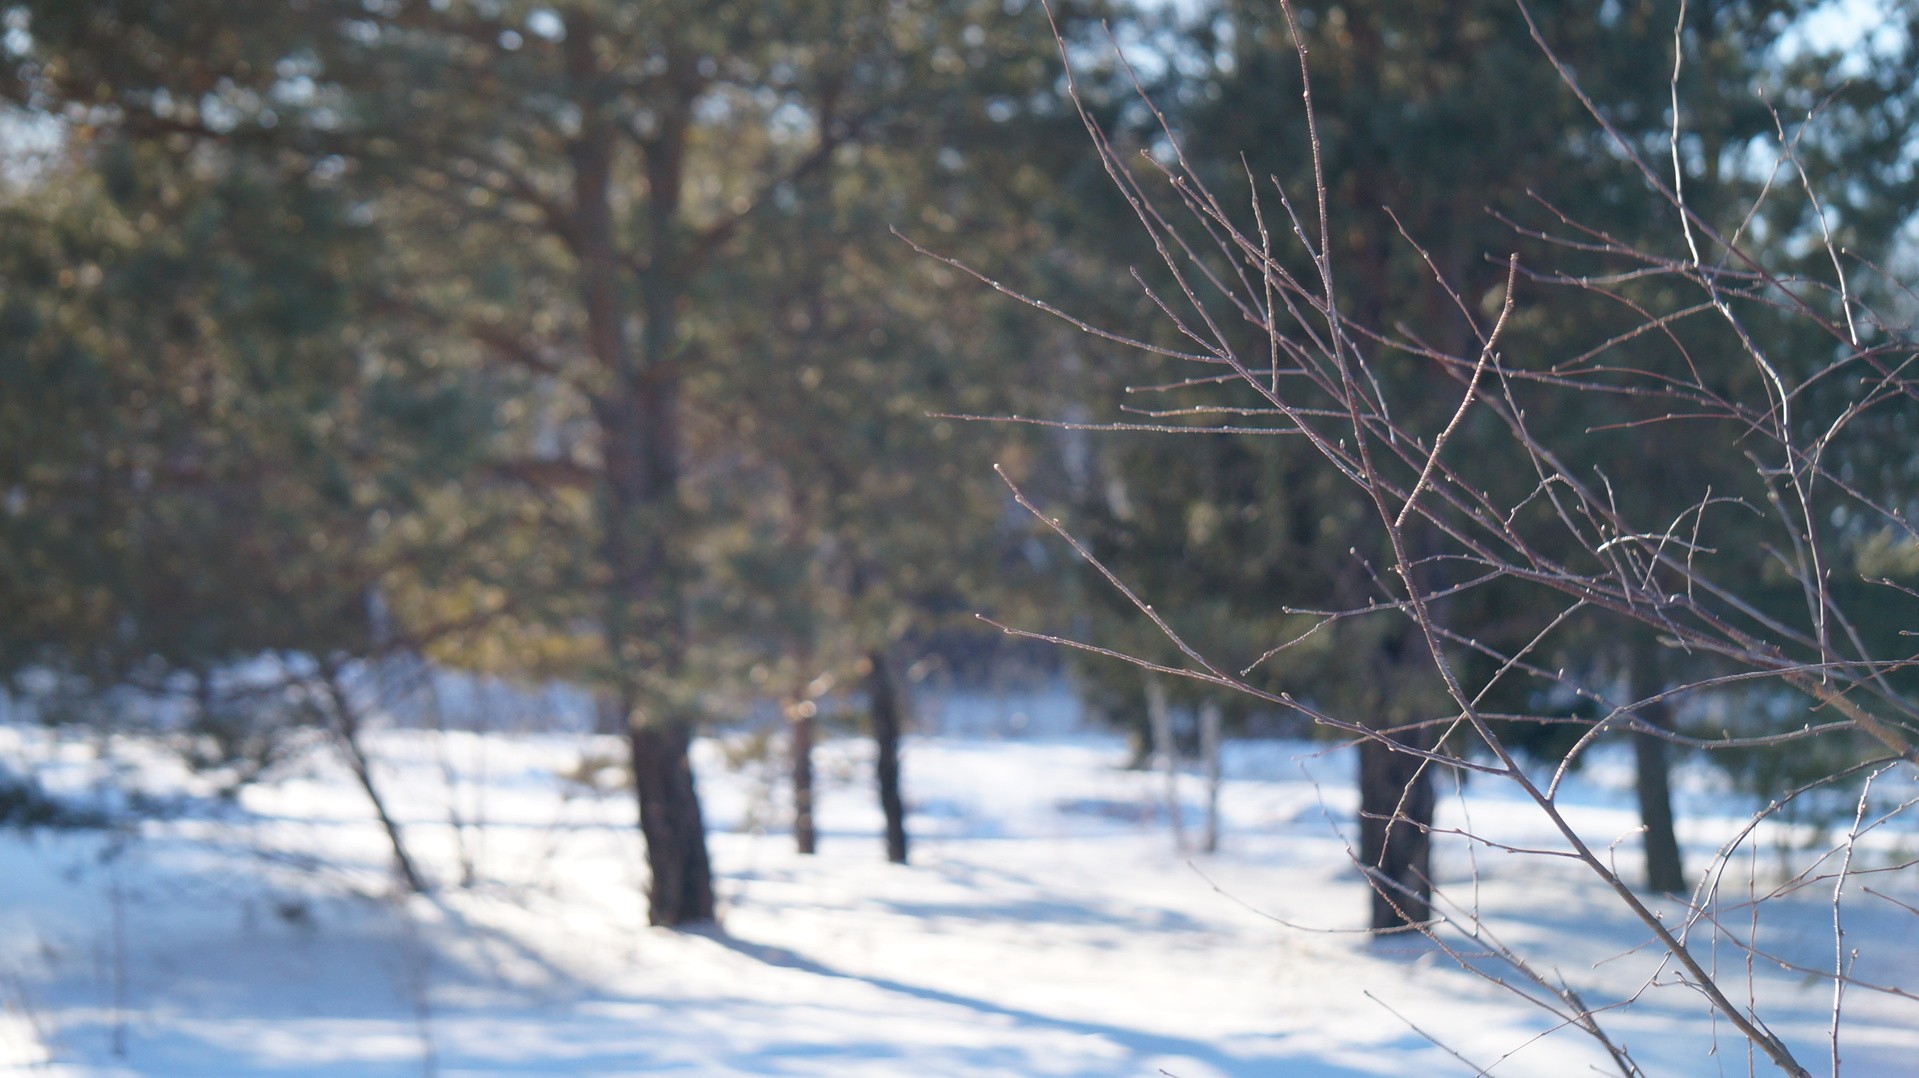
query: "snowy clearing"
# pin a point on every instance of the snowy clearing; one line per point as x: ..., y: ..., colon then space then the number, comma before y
x: 1046, y: 927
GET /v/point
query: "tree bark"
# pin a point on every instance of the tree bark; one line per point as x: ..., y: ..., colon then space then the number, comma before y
x: 637, y: 413
x: 800, y: 725
x: 681, y: 891
x: 883, y: 694
x: 1395, y: 819
x: 1665, y: 869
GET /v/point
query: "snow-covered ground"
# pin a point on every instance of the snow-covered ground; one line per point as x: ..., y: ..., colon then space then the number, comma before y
x: 1046, y: 927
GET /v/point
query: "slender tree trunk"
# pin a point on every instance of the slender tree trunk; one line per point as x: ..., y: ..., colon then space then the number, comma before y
x: 801, y: 729
x: 346, y: 731
x: 436, y: 716
x: 1209, y: 724
x: 884, y: 695
x: 1160, y: 719
x: 1665, y: 870
x: 1395, y: 819
x: 204, y: 696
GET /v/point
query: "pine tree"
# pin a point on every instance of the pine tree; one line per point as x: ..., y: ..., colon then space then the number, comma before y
x: 579, y: 197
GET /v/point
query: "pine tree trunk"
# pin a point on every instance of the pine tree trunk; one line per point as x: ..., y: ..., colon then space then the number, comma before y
x: 800, y: 727
x: 638, y: 415
x: 681, y: 891
x: 1665, y: 870
x: 884, y: 695
x: 1395, y: 819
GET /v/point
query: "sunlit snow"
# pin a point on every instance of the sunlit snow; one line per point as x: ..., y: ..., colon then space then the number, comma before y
x: 1046, y: 927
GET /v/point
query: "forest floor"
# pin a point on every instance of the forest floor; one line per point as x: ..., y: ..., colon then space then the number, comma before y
x: 1046, y: 927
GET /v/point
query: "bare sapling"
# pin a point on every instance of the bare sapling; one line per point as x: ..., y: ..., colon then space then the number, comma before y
x: 1504, y: 486
x: 346, y: 724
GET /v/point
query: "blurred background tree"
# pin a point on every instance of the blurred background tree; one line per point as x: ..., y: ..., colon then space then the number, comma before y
x: 614, y: 217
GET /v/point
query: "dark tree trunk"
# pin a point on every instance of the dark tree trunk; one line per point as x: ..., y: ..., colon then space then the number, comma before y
x: 644, y: 633
x: 800, y: 714
x: 681, y: 892
x: 1395, y: 821
x: 637, y: 413
x: 884, y: 695
x: 1665, y: 871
